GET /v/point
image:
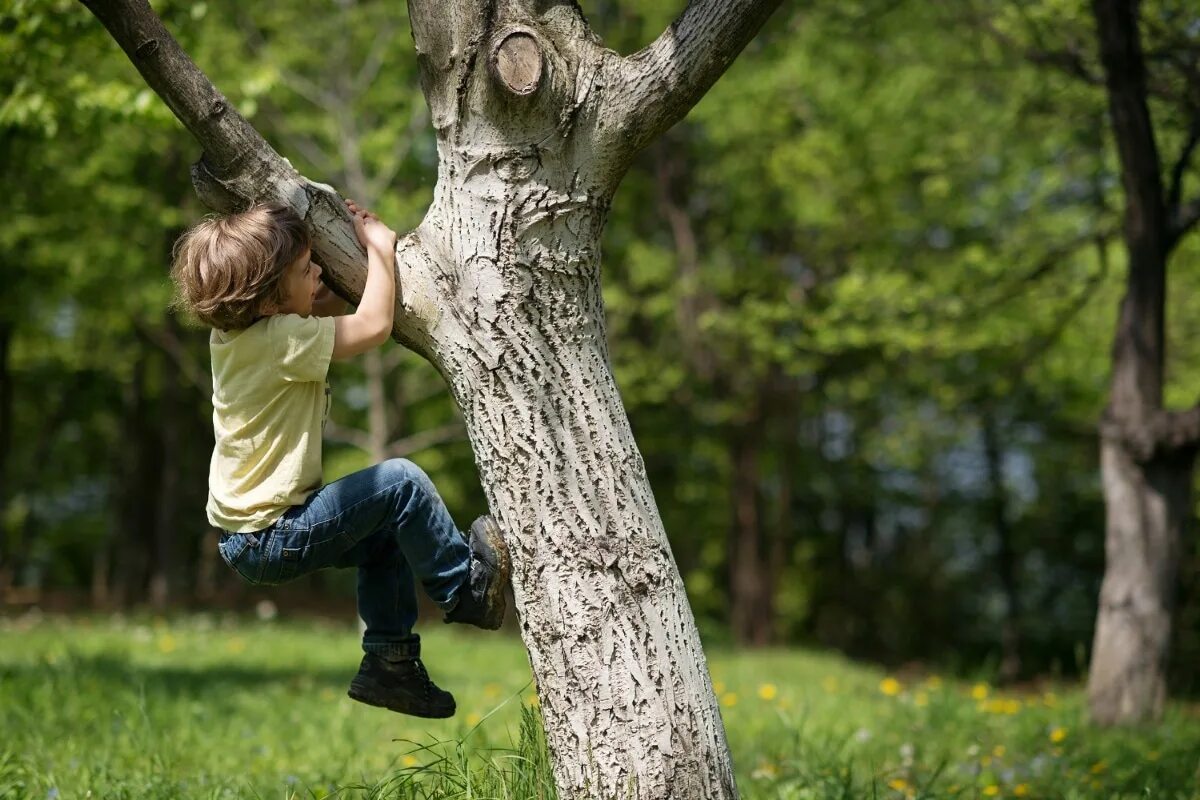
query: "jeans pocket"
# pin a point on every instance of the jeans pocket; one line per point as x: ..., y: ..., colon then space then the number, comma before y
x: 243, y: 553
x: 289, y: 562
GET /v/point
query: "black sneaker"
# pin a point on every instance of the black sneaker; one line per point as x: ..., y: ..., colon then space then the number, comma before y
x: 401, y: 686
x: 481, y: 599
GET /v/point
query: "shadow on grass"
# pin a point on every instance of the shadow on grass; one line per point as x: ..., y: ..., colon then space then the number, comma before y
x: 175, y: 679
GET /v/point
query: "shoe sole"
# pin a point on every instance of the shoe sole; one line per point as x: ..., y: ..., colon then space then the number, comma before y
x: 494, y: 597
x: 364, y: 695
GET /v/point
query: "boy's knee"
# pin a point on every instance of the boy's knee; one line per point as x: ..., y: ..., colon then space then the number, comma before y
x: 401, y: 470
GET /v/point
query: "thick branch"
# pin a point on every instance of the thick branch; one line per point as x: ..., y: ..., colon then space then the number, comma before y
x: 661, y: 83
x: 1183, y: 216
x: 239, y: 167
x: 1133, y: 130
x: 1175, y: 188
x: 1162, y: 434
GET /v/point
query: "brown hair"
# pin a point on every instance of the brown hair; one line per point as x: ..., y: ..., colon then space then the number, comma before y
x: 228, y: 269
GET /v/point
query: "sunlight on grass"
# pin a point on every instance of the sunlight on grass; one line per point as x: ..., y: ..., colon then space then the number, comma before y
x: 208, y: 706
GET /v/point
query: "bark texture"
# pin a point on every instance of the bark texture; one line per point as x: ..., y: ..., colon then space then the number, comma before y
x: 1147, y: 453
x: 500, y: 289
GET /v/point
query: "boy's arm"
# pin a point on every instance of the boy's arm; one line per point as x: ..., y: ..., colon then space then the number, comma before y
x: 371, y: 323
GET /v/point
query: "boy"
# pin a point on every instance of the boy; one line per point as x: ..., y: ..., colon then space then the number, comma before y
x: 250, y: 277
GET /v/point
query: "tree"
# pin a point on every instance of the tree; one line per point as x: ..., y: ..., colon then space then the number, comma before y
x: 1147, y: 451
x: 536, y: 124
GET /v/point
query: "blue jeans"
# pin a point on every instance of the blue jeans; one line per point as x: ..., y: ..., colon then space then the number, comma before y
x: 386, y: 520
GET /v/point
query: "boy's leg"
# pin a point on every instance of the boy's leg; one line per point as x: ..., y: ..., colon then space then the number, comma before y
x: 388, y: 521
x: 385, y: 520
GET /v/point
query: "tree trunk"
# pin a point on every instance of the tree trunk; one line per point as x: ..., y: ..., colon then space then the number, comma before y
x: 1146, y: 507
x: 163, y: 569
x: 7, y: 575
x: 1006, y: 561
x: 379, y: 428
x: 1147, y: 453
x: 603, y: 611
x: 749, y: 584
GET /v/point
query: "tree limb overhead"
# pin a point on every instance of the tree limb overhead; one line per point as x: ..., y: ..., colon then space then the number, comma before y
x: 239, y: 166
x: 662, y: 82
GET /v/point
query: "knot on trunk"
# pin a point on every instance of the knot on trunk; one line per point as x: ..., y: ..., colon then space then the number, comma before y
x: 516, y: 61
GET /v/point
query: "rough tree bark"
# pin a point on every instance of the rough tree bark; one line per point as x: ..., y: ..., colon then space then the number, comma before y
x: 1147, y: 453
x: 536, y: 123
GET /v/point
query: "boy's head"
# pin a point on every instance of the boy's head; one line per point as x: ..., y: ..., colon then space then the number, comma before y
x: 233, y: 270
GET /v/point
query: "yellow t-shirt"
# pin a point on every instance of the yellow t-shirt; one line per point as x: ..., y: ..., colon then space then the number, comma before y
x: 270, y: 401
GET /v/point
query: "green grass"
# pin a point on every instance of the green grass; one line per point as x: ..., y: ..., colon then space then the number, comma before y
x: 217, y: 707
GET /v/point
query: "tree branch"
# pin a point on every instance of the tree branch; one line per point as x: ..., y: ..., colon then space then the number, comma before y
x: 1183, y: 216
x: 423, y: 440
x: 1162, y: 434
x: 660, y: 84
x: 168, y: 342
x: 239, y: 167
x: 351, y: 436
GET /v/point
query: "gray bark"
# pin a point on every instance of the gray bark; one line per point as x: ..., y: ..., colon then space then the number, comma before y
x: 1147, y: 505
x: 500, y: 289
x: 1147, y: 452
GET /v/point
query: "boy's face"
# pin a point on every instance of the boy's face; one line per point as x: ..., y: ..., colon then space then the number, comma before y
x: 300, y: 284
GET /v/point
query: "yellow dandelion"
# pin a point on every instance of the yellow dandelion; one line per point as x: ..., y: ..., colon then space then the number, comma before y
x: 1098, y: 767
x: 166, y: 643
x: 235, y: 645
x: 921, y: 699
x: 491, y: 690
x: 1021, y: 789
x: 409, y: 761
x: 719, y: 687
x: 473, y: 718
x: 767, y: 691
x: 765, y: 769
x: 995, y: 706
x: 890, y: 686
x: 729, y: 699
x: 999, y: 750
x: 1058, y: 734
x: 1011, y: 707
x: 534, y: 702
x: 979, y: 691
x: 986, y: 761
x: 991, y: 791
x: 829, y: 684
x: 899, y: 784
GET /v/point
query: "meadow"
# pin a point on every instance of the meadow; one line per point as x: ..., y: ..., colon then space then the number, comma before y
x: 218, y: 706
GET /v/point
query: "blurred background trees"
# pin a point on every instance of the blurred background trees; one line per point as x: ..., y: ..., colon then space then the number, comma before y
x: 860, y: 309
